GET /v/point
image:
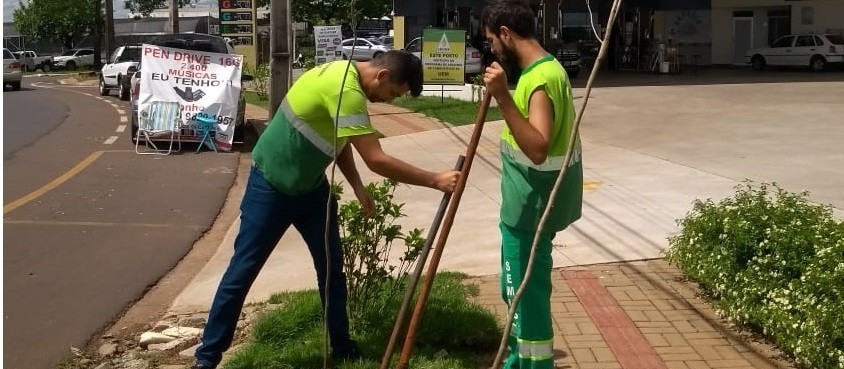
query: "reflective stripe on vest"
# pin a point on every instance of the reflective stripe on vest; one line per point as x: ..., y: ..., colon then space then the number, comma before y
x: 551, y: 163
x: 305, y: 129
x: 536, y: 350
x: 352, y: 120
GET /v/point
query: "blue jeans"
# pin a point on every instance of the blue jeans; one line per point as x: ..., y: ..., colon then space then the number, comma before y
x: 265, y: 215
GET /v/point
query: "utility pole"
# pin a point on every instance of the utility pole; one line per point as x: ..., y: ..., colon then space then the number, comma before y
x: 97, y: 31
x: 174, y: 16
x: 109, y: 28
x: 279, y: 52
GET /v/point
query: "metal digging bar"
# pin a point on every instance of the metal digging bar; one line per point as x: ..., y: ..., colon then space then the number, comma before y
x: 417, y: 272
x: 410, y: 339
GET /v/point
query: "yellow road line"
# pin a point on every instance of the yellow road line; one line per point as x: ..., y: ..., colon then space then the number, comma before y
x: 53, y: 184
x: 101, y: 224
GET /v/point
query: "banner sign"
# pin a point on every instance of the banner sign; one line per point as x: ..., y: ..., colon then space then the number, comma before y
x: 443, y: 56
x: 205, y: 85
x: 327, y: 39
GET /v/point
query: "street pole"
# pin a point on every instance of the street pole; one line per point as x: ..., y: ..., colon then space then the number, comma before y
x: 279, y: 52
x: 174, y: 16
x: 98, y: 27
x: 109, y: 28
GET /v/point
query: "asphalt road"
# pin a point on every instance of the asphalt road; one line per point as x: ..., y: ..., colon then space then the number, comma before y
x: 41, y: 113
x: 88, y: 224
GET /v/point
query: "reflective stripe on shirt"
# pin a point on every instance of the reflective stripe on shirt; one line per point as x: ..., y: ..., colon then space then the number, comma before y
x: 551, y: 163
x: 353, y: 120
x: 306, y: 130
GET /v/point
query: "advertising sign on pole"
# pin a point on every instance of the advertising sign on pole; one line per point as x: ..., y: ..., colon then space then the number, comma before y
x: 237, y: 23
x: 328, y: 40
x: 206, y: 85
x: 443, y: 56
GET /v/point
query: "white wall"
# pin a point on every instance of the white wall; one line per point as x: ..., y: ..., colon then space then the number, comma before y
x: 828, y: 16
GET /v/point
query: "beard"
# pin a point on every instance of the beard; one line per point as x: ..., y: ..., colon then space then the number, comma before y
x: 507, y: 57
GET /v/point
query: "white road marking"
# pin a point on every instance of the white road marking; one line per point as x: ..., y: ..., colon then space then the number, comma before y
x: 110, y: 140
x: 121, y: 128
x: 121, y: 111
x: 123, y: 119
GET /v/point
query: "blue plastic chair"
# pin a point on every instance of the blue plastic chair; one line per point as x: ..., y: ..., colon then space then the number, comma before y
x: 206, y: 127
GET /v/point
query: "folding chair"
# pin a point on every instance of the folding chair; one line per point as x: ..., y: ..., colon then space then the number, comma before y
x: 159, y: 121
x: 207, y: 127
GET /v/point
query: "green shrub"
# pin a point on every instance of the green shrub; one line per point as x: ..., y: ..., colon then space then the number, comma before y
x: 775, y: 263
x: 368, y: 244
x: 261, y: 80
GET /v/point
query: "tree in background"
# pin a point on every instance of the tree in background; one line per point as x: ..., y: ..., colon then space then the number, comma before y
x: 56, y: 20
x: 334, y: 11
x: 146, y: 7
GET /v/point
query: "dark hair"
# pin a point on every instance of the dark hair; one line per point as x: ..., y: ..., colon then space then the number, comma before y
x: 404, y: 68
x: 513, y: 14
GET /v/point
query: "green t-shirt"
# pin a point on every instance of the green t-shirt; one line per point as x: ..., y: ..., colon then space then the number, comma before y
x: 299, y: 144
x: 526, y: 187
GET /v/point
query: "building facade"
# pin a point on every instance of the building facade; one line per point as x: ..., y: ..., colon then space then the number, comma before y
x: 740, y: 25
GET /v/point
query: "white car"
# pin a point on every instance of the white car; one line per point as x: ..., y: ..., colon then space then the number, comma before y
x: 12, y: 70
x: 804, y: 50
x: 365, y: 49
x: 474, y: 58
x: 117, y: 72
x: 74, y: 58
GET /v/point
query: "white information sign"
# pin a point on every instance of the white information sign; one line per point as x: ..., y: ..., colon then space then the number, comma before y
x: 328, y: 40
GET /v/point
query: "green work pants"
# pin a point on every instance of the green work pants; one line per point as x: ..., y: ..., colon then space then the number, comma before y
x: 531, y: 339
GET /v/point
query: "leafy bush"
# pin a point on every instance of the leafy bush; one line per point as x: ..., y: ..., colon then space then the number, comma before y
x: 261, y: 80
x: 368, y: 244
x: 775, y: 263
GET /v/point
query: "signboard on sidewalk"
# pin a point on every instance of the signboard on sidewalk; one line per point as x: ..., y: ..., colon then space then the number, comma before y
x: 205, y: 85
x: 443, y: 56
x: 327, y: 39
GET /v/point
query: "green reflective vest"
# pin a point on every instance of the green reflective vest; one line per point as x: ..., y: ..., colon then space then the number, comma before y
x: 525, y: 186
x: 299, y: 144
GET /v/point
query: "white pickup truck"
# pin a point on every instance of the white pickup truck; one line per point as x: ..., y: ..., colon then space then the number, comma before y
x: 117, y: 72
x: 32, y: 61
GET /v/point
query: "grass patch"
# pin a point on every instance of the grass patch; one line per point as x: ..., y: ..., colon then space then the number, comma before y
x: 455, y: 333
x: 450, y: 110
x: 252, y: 97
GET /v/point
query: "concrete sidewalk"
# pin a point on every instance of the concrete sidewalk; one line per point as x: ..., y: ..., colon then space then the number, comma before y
x: 616, y: 304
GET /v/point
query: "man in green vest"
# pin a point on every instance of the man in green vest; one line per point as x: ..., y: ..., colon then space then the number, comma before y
x: 288, y: 186
x: 540, y: 118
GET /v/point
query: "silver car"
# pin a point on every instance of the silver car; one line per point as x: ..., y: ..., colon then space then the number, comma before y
x: 12, y: 70
x: 365, y: 49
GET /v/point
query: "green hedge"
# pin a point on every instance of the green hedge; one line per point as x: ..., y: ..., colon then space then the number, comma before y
x: 774, y: 262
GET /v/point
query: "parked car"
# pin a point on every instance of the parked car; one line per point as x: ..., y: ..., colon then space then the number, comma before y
x: 74, y: 58
x: 12, y: 70
x: 815, y: 51
x: 116, y: 73
x: 32, y: 61
x: 570, y: 58
x: 474, y: 58
x: 365, y: 49
x: 188, y: 41
x: 386, y: 41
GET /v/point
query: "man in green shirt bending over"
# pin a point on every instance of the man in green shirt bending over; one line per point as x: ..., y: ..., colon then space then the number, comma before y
x: 288, y: 186
x: 540, y: 119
